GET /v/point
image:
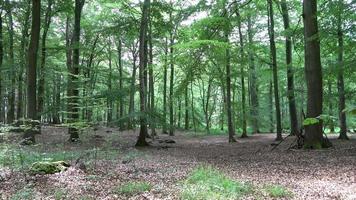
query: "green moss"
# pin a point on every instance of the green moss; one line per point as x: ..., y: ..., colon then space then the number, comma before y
x: 133, y: 188
x: 49, y: 167
x: 25, y: 193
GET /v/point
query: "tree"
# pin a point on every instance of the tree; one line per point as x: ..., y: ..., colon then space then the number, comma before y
x: 73, y: 86
x: 32, y: 65
x: 340, y: 75
x: 313, y: 75
x: 290, y: 72
x: 141, y: 141
x: 274, y: 69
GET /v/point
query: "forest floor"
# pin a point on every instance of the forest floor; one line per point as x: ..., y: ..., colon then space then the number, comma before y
x: 112, y: 162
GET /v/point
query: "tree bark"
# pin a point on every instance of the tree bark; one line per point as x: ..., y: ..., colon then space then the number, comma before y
x: 2, y: 116
x: 290, y: 72
x: 11, y: 93
x: 243, y: 90
x: 340, y: 75
x: 186, y: 105
x: 121, y: 100
x: 164, y: 127
x: 151, y: 85
x: 41, y: 87
x: 171, y: 85
x: 32, y: 65
x: 274, y: 70
x: 141, y: 141
x: 253, y: 81
x: 313, y: 74
x: 109, y: 96
x: 73, y: 105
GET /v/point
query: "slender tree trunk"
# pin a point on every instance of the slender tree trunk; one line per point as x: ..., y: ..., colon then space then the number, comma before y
x: 109, y: 97
x: 290, y: 73
x: 270, y: 105
x: 73, y: 105
x: 164, y: 131
x: 151, y: 86
x: 340, y: 75
x: 11, y: 93
x: 253, y: 81
x: 186, y: 105
x: 141, y: 141
x: 41, y: 87
x: 275, y: 71
x: 330, y: 99
x: 2, y: 116
x: 192, y: 106
x: 132, y: 90
x: 230, y: 124
x: 313, y: 74
x: 121, y: 99
x: 171, y: 85
x: 243, y: 90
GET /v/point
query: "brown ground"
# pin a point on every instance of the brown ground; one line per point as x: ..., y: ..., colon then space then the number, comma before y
x: 319, y: 174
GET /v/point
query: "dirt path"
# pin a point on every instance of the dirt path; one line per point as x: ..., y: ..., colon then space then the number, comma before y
x: 322, y: 174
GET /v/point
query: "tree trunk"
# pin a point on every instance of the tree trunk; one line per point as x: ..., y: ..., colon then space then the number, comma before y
x: 243, y: 90
x: 151, y: 86
x: 2, y: 116
x: 186, y: 105
x: 275, y: 71
x: 313, y: 74
x: 109, y: 96
x: 330, y: 99
x: 253, y: 81
x: 171, y: 85
x: 290, y: 72
x: 11, y: 93
x: 230, y: 124
x: 130, y: 124
x: 32, y: 65
x: 41, y: 87
x: 164, y: 131
x: 121, y: 99
x: 340, y: 75
x: 141, y: 141
x: 73, y: 105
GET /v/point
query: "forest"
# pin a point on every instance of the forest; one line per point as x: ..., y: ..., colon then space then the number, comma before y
x: 175, y: 99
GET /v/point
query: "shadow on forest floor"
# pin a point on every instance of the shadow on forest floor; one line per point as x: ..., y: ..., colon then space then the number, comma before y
x: 113, y: 165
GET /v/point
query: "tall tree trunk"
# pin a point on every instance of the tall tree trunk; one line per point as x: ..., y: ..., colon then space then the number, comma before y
x: 313, y: 74
x: 253, y: 80
x: 141, y: 141
x: 340, y: 75
x: 151, y: 86
x: 186, y: 105
x: 130, y: 124
x: 23, y: 61
x: 243, y: 90
x: 165, y: 65
x: 11, y: 93
x: 73, y: 105
x: 290, y: 72
x: 121, y: 99
x: 32, y: 65
x: 2, y: 115
x: 330, y: 102
x: 171, y: 85
x: 230, y: 124
x: 109, y: 96
x: 41, y: 87
x: 275, y: 71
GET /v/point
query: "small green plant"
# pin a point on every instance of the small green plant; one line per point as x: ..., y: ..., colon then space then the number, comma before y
x: 25, y: 193
x: 208, y: 183
x: 60, y: 194
x: 132, y: 188
x: 277, y: 191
